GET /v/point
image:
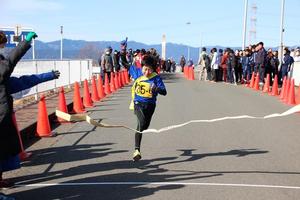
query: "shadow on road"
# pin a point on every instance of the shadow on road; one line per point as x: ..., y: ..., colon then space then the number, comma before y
x: 151, y: 170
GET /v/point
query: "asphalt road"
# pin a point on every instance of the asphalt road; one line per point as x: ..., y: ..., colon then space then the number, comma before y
x: 231, y: 159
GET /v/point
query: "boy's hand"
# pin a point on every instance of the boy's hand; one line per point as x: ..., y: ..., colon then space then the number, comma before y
x: 154, y: 88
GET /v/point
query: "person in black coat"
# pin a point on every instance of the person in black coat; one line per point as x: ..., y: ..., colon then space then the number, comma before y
x: 287, y: 61
x: 9, y: 141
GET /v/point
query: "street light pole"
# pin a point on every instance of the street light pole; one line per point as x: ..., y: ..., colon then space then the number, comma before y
x: 281, y: 31
x: 245, y: 24
x: 61, y: 42
x: 188, y: 23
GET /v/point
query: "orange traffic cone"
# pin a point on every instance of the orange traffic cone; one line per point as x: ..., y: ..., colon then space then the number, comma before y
x: 112, y: 82
x: 275, y: 86
x: 100, y: 87
x: 185, y: 72
x: 126, y: 77
x: 62, y: 105
x: 287, y: 90
x: 256, y: 83
x: 291, y: 96
x: 266, y: 87
x: 43, y: 126
x: 87, y: 101
x: 189, y: 73
x: 116, y: 81
x: 122, y: 79
x: 193, y: 74
x: 252, y: 80
x: 23, y: 154
x: 77, y: 102
x: 95, y: 95
x: 106, y: 85
x: 119, y: 80
x: 283, y: 88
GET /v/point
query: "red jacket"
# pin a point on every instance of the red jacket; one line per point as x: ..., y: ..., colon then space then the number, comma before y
x: 224, y: 61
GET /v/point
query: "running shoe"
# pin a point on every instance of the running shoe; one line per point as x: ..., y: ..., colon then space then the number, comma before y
x: 137, y: 155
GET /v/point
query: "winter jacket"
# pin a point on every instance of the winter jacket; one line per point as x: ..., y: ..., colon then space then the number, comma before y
x: 260, y: 57
x: 9, y: 141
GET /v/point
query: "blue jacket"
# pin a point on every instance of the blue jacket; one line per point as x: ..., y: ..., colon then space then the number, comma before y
x: 24, y: 82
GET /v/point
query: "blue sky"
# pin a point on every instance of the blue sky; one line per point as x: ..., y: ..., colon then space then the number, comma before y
x: 212, y: 22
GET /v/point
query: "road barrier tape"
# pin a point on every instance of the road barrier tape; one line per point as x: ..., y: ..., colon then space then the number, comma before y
x: 88, y: 119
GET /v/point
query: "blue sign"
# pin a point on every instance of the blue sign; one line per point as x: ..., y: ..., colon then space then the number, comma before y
x: 13, y: 39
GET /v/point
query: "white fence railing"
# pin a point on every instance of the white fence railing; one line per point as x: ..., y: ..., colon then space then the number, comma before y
x: 70, y: 71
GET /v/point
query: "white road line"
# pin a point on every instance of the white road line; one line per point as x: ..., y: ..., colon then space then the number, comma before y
x: 160, y: 183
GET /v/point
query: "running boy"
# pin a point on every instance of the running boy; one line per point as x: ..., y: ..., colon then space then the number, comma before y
x: 144, y: 92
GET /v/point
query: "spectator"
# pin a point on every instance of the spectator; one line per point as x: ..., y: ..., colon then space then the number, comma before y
x: 224, y: 64
x: 107, y: 63
x: 173, y: 65
x: 230, y: 66
x: 214, y: 64
x: 297, y: 55
x: 287, y: 61
x: 168, y: 65
x: 274, y: 64
x: 219, y: 61
x: 137, y: 58
x: 182, y: 62
x: 9, y: 141
x: 116, y: 61
x: 204, y: 64
x: 130, y: 57
x: 260, y: 61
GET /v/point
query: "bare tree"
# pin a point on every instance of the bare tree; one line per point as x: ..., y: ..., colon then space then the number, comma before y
x: 89, y: 51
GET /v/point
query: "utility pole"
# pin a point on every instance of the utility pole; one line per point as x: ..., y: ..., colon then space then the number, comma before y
x: 188, y: 23
x: 163, y: 47
x: 252, y: 32
x: 281, y: 31
x: 245, y: 24
x: 61, y: 42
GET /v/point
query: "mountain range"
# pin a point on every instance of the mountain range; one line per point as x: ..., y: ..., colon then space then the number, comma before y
x: 80, y: 49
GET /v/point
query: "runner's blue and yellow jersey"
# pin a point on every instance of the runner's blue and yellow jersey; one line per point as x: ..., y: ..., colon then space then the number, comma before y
x: 141, y: 89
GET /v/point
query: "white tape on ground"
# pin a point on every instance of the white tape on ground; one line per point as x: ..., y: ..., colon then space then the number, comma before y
x: 288, y: 112
x: 88, y: 119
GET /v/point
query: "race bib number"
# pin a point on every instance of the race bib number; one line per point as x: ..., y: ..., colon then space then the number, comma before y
x: 143, y: 89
